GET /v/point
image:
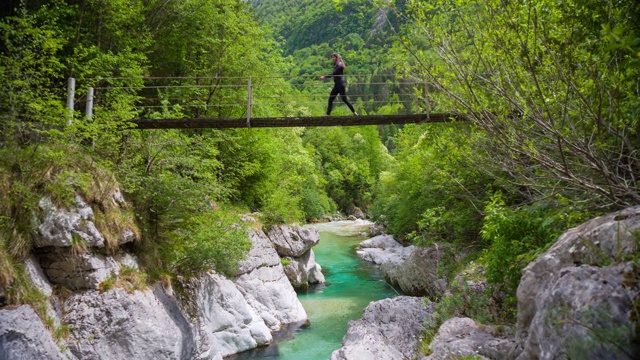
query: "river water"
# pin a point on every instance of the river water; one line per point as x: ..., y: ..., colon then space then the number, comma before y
x: 351, y: 285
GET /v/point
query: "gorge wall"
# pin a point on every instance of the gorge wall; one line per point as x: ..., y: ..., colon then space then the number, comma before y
x: 211, y: 317
x: 578, y: 300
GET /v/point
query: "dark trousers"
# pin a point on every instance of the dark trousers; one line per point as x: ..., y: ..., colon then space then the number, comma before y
x: 338, y: 89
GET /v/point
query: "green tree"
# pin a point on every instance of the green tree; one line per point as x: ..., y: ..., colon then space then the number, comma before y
x: 434, y: 191
x: 30, y: 104
x: 554, y: 86
x: 186, y: 186
x: 351, y: 159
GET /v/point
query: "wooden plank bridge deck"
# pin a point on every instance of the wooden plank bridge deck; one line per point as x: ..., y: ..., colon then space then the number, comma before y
x: 309, y: 121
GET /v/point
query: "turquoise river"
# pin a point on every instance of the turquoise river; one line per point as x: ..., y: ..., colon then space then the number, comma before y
x: 351, y: 285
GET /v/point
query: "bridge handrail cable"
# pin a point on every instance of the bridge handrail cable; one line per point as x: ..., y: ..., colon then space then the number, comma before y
x: 256, y: 92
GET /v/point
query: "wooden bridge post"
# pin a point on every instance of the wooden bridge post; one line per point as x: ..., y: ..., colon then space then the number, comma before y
x: 426, y: 98
x: 71, y: 90
x: 249, y: 102
x: 89, y: 108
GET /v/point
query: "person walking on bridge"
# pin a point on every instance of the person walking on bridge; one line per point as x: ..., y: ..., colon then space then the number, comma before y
x: 338, y: 83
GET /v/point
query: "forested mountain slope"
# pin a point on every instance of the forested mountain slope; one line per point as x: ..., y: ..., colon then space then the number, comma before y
x: 310, y: 31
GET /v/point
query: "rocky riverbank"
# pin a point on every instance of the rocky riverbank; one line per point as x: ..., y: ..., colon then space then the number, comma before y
x: 578, y: 300
x: 209, y: 318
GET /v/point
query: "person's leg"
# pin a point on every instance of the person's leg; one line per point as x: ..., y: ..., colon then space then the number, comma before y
x: 343, y: 96
x: 332, y: 97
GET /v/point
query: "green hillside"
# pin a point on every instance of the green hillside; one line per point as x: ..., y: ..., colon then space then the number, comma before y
x: 310, y: 31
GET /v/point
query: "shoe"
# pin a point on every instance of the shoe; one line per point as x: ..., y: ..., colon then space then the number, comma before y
x: 355, y: 114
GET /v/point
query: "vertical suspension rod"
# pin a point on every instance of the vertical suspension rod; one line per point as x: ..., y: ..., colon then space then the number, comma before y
x: 249, y: 102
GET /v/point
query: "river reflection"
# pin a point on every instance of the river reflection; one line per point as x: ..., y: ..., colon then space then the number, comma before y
x: 351, y: 285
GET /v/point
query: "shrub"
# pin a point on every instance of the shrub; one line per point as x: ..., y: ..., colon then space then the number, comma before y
x: 209, y: 240
x: 462, y: 302
x: 128, y: 278
x: 315, y: 203
x: 518, y: 236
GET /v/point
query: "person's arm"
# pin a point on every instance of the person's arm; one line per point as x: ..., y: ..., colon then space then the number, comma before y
x: 328, y: 75
x: 338, y: 70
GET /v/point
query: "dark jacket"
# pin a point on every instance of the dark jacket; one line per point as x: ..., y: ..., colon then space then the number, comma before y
x: 337, y: 74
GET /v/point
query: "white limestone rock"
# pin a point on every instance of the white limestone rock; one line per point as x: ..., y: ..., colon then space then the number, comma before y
x: 582, y: 290
x: 261, y: 254
x: 383, y: 242
x: 462, y: 337
x: 59, y: 226
x: 37, y: 276
x: 270, y: 287
x: 24, y: 336
x: 383, y: 249
x: 304, y: 270
x: 265, y: 286
x: 118, y: 325
x: 225, y: 323
x: 389, y: 329
x: 291, y: 240
x: 83, y: 271
x: 587, y: 312
x: 40, y: 281
x: 417, y: 274
x: 412, y: 269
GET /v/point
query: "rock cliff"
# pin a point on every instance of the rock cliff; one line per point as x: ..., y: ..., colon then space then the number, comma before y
x: 211, y: 317
x: 578, y: 300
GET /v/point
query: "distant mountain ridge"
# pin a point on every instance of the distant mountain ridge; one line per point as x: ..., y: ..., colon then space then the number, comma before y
x: 304, y: 23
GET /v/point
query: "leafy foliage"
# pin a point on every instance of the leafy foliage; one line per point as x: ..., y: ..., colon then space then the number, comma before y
x: 517, y: 237
x: 551, y: 89
x: 351, y: 160
x: 174, y: 179
x: 210, y: 240
x: 434, y: 192
x: 554, y: 86
x: 31, y: 71
x: 463, y: 301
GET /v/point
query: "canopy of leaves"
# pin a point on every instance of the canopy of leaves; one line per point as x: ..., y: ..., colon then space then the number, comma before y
x: 434, y: 191
x: 185, y: 186
x: 553, y: 84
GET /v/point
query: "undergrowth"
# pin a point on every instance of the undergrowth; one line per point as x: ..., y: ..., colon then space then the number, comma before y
x: 60, y: 173
x: 22, y: 291
x: 128, y: 278
x: 463, y: 301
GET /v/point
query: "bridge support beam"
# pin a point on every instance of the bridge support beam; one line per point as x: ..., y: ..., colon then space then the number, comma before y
x: 294, y: 121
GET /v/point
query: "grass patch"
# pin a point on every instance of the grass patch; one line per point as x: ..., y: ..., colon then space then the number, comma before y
x: 7, y: 270
x: 112, y: 222
x: 62, y: 332
x: 128, y: 278
x: 78, y: 245
x: 22, y: 291
x: 463, y: 301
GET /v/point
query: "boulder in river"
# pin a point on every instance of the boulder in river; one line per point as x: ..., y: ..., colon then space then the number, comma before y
x: 389, y: 329
x: 303, y: 270
x: 293, y: 241
x: 263, y: 282
x: 224, y: 322
x: 414, y: 270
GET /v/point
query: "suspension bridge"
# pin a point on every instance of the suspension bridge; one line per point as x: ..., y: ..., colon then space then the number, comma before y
x: 260, y: 102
